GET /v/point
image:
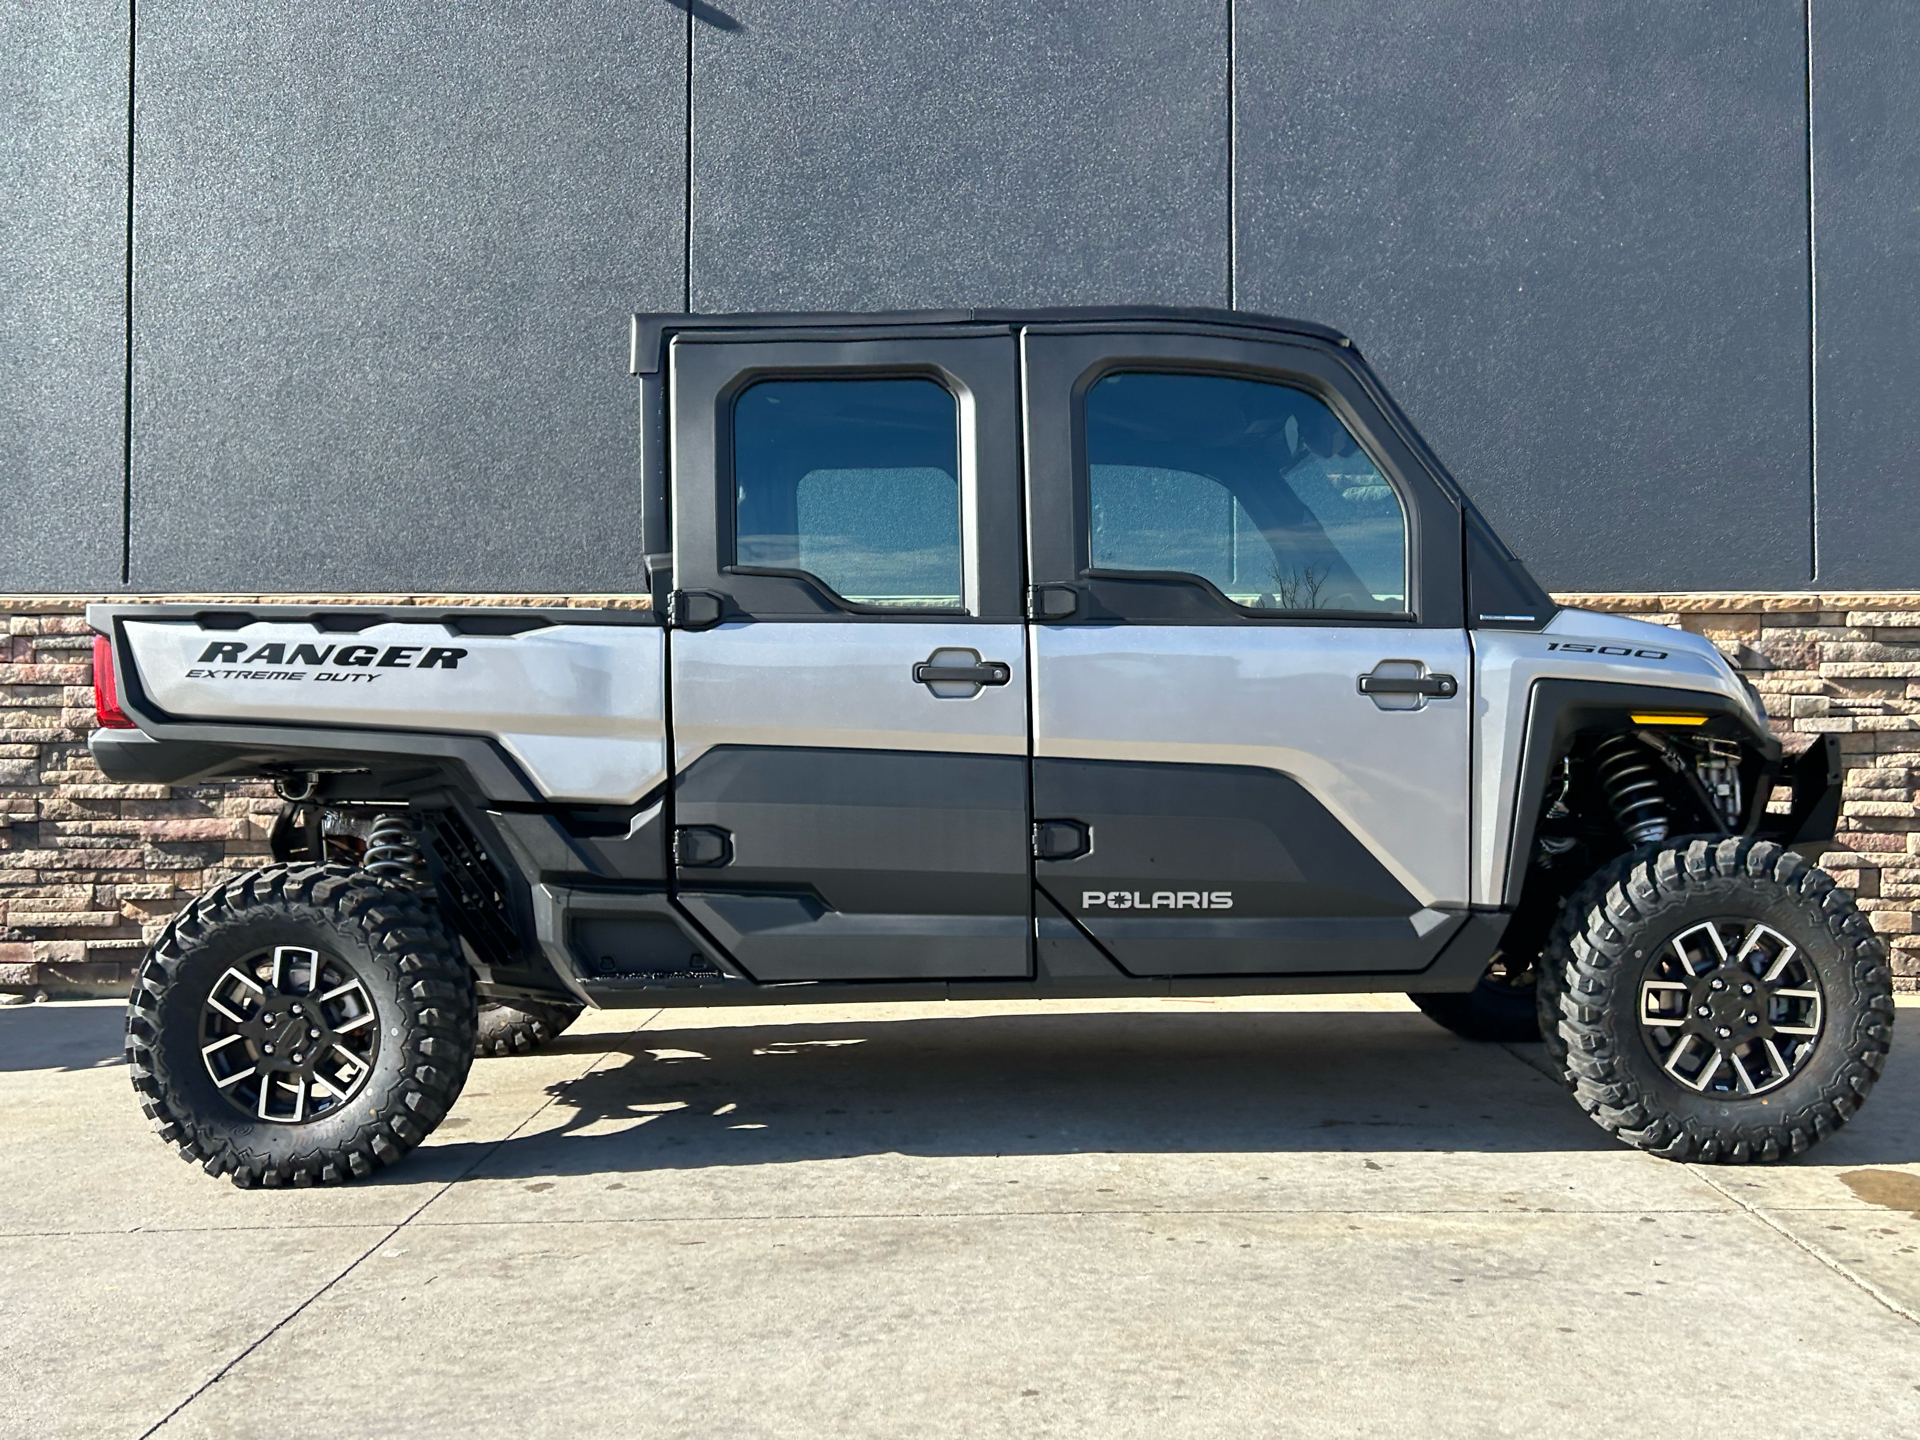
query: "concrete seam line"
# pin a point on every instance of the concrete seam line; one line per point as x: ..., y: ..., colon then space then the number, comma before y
x: 275, y: 1329
x: 1792, y: 1239
x: 300, y: 1309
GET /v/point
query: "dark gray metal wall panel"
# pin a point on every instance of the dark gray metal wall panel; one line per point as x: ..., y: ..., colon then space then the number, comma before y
x: 384, y: 260
x: 1573, y: 238
x: 63, y: 259
x: 867, y: 156
x: 1866, y: 211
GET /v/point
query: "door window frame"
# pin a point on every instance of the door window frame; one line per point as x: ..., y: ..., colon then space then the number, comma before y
x: 1060, y: 366
x: 709, y: 371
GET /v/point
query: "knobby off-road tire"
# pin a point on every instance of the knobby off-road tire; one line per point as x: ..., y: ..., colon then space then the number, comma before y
x: 522, y: 1027
x: 339, y: 963
x: 1633, y: 943
x: 1500, y: 1007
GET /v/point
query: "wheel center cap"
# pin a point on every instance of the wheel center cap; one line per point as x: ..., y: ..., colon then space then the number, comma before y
x: 1729, y: 1004
x: 286, y: 1039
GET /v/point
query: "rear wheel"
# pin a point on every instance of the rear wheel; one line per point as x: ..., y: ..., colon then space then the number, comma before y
x: 1500, y: 1007
x: 522, y: 1027
x: 300, y: 1025
x: 1718, y: 1001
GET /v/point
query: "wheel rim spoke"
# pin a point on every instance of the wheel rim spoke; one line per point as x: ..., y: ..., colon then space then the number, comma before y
x: 1788, y: 950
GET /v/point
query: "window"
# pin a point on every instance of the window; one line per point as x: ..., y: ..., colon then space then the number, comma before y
x: 1254, y: 486
x: 855, y: 482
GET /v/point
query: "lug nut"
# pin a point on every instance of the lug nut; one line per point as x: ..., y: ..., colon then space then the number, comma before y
x: 1725, y: 1032
x: 1719, y: 984
x: 1753, y: 1019
x: 268, y: 1049
x: 1746, y: 989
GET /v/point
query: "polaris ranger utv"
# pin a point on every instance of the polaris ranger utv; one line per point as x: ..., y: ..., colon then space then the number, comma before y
x: 992, y: 654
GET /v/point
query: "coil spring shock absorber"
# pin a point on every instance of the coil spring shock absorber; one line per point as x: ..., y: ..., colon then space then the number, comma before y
x: 394, y: 856
x: 1632, y: 783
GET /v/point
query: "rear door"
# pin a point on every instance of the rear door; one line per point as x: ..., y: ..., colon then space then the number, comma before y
x: 1250, y: 666
x: 848, y: 662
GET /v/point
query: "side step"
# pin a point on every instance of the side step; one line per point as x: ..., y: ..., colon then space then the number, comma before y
x: 606, y: 943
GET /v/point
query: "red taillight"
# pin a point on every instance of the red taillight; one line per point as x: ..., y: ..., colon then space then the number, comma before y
x: 106, y: 694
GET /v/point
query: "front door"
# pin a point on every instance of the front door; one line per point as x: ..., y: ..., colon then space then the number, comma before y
x: 848, y: 662
x: 1251, y: 716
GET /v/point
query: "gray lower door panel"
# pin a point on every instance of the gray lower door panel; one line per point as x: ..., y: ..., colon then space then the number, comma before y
x: 1224, y: 870
x: 862, y: 864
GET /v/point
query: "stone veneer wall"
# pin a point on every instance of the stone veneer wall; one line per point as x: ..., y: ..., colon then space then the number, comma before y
x: 90, y: 871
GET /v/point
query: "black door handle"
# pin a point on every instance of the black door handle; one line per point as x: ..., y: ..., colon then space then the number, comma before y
x: 987, y: 672
x: 1440, y: 687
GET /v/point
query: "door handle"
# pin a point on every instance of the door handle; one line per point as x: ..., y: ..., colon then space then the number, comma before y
x: 1438, y: 687
x: 955, y: 672
x: 984, y: 672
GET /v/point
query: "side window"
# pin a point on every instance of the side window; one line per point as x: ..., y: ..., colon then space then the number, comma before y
x: 1252, y: 485
x: 856, y: 483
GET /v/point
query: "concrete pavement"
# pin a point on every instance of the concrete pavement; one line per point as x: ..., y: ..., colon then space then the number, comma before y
x: 1154, y: 1219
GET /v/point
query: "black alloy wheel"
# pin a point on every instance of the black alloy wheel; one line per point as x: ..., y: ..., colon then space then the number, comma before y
x: 289, y: 1035
x: 1731, y: 1007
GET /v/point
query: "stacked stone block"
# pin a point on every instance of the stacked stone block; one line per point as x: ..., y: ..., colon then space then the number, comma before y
x: 90, y: 871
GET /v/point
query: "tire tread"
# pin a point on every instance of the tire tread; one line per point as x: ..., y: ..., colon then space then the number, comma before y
x: 1586, y: 954
x: 400, y: 922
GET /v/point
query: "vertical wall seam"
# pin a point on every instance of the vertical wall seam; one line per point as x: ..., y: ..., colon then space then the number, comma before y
x: 686, y: 251
x: 1233, y: 178
x: 1813, y: 336
x: 126, y: 377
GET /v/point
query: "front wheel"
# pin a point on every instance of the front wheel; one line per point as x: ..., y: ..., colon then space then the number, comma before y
x: 1720, y: 1001
x: 300, y: 1025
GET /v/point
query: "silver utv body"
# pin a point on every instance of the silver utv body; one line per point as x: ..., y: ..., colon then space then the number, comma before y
x: 1083, y: 652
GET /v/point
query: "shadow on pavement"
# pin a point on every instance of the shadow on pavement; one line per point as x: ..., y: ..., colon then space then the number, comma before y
x: 1229, y: 1082
x: 62, y: 1036
x: 695, y: 1096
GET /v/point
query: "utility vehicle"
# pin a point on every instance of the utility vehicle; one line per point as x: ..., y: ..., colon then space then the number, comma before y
x: 992, y: 654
